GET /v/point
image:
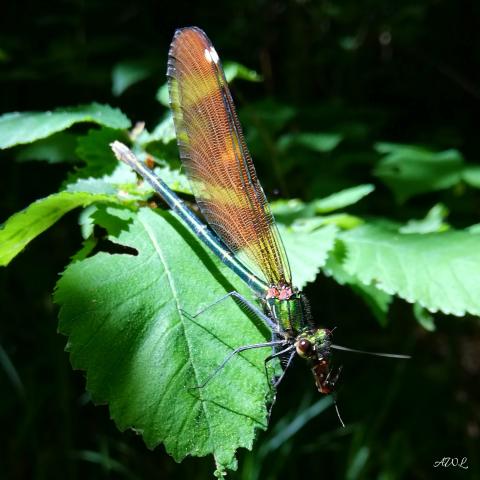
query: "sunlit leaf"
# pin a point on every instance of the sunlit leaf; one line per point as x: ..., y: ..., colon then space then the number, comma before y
x: 343, y: 221
x: 235, y: 70
x: 377, y: 300
x: 287, y: 211
x: 342, y: 199
x: 26, y: 127
x: 164, y: 132
x: 290, y: 210
x: 474, y: 228
x: 433, y: 221
x: 129, y: 324
x: 440, y: 271
x: 307, y: 250
x: 93, y: 185
x: 22, y: 227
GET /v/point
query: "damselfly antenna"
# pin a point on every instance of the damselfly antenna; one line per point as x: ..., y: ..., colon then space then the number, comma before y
x: 353, y: 350
x: 376, y: 354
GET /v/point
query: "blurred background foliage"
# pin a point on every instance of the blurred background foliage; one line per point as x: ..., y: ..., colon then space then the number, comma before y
x: 358, y: 92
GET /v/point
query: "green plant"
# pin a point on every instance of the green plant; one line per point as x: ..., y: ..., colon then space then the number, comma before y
x: 128, y: 297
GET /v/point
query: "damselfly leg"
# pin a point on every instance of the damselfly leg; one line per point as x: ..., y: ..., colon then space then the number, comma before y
x: 237, y: 351
x: 245, y: 303
x: 291, y: 348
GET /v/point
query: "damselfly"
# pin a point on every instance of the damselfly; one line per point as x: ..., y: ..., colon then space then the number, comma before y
x: 241, y: 229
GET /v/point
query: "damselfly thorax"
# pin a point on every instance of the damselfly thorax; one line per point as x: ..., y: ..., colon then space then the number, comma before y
x: 290, y: 310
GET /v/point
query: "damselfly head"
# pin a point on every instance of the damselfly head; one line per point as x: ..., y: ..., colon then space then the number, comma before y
x: 305, y: 347
x: 314, y: 344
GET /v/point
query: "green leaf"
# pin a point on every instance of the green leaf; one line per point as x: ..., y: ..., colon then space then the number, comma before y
x: 307, y: 250
x: 170, y: 172
x: 287, y: 211
x: 88, y: 245
x: 474, y: 228
x: 377, y: 300
x: 22, y: 227
x: 57, y: 148
x: 433, y: 221
x: 86, y: 222
x: 174, y: 178
x: 424, y: 318
x: 128, y: 73
x: 26, y: 127
x: 471, y: 176
x: 102, y: 173
x: 129, y: 324
x: 343, y: 221
x: 302, y: 214
x: 410, y: 170
x: 440, y: 271
x: 94, y: 149
x: 318, y: 142
x: 94, y: 186
x: 162, y: 95
x: 164, y: 132
x: 343, y: 198
x: 235, y: 70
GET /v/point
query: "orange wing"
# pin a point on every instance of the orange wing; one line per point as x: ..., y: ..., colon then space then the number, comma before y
x: 216, y: 158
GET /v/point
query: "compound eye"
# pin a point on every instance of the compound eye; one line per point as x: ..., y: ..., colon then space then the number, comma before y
x: 305, y: 347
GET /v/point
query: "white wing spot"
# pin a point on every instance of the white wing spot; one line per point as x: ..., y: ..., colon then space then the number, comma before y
x: 208, y: 56
x: 214, y: 55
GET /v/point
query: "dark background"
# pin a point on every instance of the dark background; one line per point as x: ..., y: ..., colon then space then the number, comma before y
x: 373, y: 71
